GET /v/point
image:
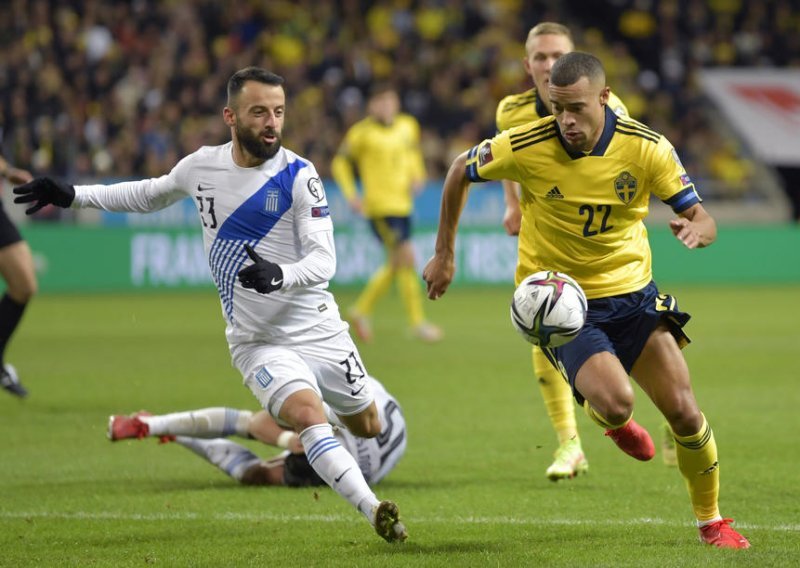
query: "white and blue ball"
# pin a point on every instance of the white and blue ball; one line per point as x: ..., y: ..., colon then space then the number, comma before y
x: 548, y: 308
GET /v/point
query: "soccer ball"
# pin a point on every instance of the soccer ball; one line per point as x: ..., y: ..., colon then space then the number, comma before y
x: 548, y: 308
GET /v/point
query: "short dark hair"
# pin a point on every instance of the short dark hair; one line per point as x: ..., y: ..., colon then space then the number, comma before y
x: 238, y: 79
x: 380, y: 88
x: 570, y: 67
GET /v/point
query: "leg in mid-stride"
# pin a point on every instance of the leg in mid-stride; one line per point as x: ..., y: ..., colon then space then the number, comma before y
x: 569, y: 460
x: 662, y: 373
x: 17, y: 269
x: 599, y: 362
x: 394, y: 234
x: 288, y: 383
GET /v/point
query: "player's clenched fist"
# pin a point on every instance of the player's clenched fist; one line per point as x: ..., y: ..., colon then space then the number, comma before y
x: 263, y: 275
x: 438, y: 274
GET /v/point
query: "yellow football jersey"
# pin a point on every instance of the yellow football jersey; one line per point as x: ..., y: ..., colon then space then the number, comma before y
x: 388, y: 160
x: 583, y: 213
x: 518, y: 109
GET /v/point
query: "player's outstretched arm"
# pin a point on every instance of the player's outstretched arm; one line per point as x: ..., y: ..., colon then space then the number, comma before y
x: 16, y: 176
x: 695, y: 228
x: 439, y: 271
x: 44, y: 191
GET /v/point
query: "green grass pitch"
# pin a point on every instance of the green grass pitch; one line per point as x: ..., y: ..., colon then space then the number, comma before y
x: 471, y: 487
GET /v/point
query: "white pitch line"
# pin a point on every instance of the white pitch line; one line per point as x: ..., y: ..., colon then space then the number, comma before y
x: 255, y: 517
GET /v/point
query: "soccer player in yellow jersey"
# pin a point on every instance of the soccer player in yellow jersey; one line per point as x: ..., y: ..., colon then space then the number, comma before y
x: 384, y: 147
x: 546, y: 42
x: 587, y: 176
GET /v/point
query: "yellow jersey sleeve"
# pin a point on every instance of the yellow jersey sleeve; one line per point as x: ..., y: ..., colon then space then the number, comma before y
x: 492, y: 159
x: 342, y: 165
x: 669, y: 180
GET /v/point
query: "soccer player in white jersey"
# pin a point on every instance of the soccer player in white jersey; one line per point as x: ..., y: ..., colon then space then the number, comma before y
x: 204, y: 432
x: 269, y: 240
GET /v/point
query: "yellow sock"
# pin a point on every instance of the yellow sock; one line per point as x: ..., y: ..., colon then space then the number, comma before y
x: 697, y: 461
x: 557, y: 397
x: 411, y: 293
x: 377, y: 286
x: 592, y: 413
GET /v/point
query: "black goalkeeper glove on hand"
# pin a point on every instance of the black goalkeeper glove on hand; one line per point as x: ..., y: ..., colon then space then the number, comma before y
x: 44, y: 191
x: 264, y: 276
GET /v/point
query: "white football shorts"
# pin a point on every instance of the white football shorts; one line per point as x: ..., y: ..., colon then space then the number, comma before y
x: 331, y: 367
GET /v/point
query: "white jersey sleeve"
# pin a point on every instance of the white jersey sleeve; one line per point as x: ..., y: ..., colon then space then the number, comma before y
x: 134, y: 196
x: 317, y: 267
x: 315, y: 231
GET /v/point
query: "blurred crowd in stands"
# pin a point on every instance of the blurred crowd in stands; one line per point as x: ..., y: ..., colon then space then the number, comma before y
x: 120, y: 89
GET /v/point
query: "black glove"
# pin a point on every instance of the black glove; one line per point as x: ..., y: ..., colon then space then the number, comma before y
x: 44, y: 191
x: 264, y: 276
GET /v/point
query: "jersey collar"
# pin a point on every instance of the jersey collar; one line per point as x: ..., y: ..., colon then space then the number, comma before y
x: 602, y: 144
x: 541, y: 110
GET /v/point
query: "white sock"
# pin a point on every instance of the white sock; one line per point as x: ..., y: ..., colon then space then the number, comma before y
x: 228, y: 456
x: 203, y: 423
x: 704, y: 523
x: 338, y: 468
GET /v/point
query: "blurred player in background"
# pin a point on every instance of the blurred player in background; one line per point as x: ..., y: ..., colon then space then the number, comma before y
x: 587, y: 176
x: 204, y: 431
x: 546, y: 42
x: 384, y: 147
x: 285, y: 334
x: 17, y: 269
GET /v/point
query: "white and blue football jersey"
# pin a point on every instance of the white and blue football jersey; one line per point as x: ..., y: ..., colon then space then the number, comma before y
x: 279, y: 208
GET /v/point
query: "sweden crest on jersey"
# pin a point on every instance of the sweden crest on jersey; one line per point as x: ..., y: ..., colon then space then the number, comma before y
x: 625, y: 185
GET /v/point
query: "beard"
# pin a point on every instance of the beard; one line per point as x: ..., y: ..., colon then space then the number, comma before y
x: 576, y: 145
x: 256, y: 147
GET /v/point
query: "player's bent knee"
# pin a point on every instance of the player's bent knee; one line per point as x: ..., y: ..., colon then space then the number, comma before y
x: 615, y: 408
x: 305, y: 417
x: 618, y: 414
x: 302, y: 410
x: 21, y: 295
x: 22, y: 288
